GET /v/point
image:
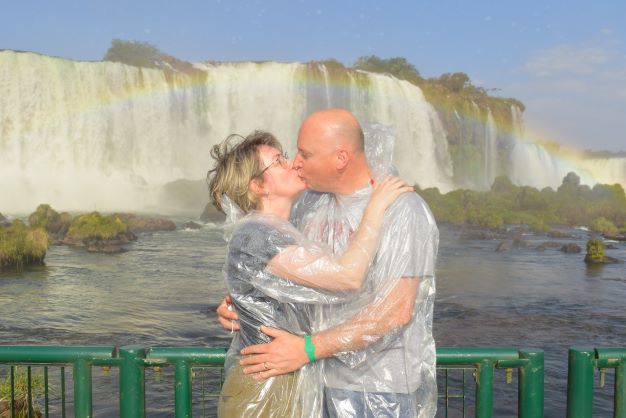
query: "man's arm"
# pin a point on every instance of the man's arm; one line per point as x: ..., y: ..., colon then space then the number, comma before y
x: 286, y: 352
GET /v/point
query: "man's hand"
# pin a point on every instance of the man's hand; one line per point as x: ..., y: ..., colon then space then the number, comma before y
x: 284, y: 354
x: 229, y: 319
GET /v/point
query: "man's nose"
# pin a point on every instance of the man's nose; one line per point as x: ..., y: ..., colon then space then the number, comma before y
x: 297, y: 162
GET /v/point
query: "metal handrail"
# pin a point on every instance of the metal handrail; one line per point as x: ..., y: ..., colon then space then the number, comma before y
x: 132, y: 362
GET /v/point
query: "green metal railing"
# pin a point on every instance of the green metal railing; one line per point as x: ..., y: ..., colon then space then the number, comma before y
x: 580, y: 379
x: 485, y: 360
x: 133, y: 361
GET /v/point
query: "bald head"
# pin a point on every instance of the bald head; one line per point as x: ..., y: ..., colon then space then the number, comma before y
x: 337, y: 128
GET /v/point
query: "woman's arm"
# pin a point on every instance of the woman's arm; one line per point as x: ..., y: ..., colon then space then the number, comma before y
x: 286, y: 351
x: 313, y: 266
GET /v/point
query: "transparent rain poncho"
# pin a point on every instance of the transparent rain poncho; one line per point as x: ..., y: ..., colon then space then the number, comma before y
x: 380, y: 349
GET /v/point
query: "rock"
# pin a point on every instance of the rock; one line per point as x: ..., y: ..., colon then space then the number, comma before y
x: 614, y: 237
x: 468, y: 234
x: 548, y: 244
x: 605, y: 260
x: 571, y: 248
x: 595, y: 253
x: 183, y: 196
x: 99, y: 233
x: 138, y: 224
x: 503, y: 246
x: 211, y: 214
x: 519, y: 242
x: 610, y: 247
x: 97, y: 245
x: 191, y: 225
x: 47, y: 218
x: 4, y: 222
x: 558, y: 234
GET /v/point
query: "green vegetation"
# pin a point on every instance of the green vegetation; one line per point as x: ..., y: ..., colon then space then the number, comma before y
x: 595, y: 251
x: 604, y: 226
x: 47, y: 218
x: 94, y: 225
x: 20, y: 388
x: 601, y: 207
x: 398, y: 67
x: 139, y: 54
x: 145, y: 55
x: 21, y: 246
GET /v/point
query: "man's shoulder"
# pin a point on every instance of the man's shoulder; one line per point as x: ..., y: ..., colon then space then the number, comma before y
x: 413, y: 205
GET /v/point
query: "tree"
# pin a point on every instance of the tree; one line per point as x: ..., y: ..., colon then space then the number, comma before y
x: 454, y: 81
x: 139, y: 54
x: 398, y: 67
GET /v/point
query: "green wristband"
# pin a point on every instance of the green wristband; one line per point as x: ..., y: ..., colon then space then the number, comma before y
x: 309, y: 348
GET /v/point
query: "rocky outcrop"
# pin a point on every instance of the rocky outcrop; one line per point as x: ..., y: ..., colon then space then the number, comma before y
x: 138, y: 224
x: 571, y: 248
x: 21, y: 246
x: 595, y: 253
x: 191, y: 225
x: 99, y: 233
x: 47, y: 218
x: 503, y: 246
x: 559, y: 234
x: 548, y: 244
x: 4, y: 221
x: 211, y: 214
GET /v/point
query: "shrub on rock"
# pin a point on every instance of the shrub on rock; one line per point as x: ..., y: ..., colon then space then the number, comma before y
x: 95, y: 227
x: 21, y: 246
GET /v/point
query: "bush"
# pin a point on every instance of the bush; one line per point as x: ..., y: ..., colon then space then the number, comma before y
x: 595, y: 250
x: 94, y: 225
x: 21, y: 246
x: 47, y: 218
x: 604, y: 226
x: 139, y: 54
x: 37, y: 387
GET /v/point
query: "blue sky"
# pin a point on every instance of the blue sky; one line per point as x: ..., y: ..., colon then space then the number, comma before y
x: 566, y: 60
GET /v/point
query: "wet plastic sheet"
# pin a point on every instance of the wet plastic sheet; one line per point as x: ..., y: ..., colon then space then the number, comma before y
x: 381, y: 369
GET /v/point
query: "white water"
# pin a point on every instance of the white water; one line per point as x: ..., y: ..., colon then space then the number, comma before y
x: 107, y: 136
x: 491, y: 157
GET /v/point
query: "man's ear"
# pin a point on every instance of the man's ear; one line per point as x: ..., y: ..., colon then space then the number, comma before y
x: 342, y: 158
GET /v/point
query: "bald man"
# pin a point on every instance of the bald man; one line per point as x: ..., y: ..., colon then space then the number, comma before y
x: 378, y: 350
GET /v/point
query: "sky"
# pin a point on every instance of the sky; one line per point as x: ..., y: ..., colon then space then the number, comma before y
x: 565, y: 60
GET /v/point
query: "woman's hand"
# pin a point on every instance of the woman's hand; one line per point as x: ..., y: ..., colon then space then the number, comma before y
x: 227, y: 316
x: 386, y: 192
x: 284, y: 354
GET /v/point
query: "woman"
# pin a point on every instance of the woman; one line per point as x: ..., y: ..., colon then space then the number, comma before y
x: 274, y: 274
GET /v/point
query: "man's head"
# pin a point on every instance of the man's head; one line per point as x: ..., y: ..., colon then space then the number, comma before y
x: 331, y: 151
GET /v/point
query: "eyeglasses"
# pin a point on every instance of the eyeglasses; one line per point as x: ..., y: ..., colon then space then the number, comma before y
x: 280, y: 159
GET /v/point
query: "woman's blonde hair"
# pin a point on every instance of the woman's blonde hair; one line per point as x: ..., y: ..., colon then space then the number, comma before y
x: 237, y: 162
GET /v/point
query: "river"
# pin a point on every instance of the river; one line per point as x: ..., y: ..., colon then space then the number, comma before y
x: 163, y: 291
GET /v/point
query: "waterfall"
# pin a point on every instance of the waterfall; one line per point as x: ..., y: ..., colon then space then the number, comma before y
x: 108, y: 136
x: 490, y: 151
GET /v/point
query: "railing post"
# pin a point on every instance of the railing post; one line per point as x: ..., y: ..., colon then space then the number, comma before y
x: 132, y: 382
x: 531, y: 388
x: 183, y: 390
x: 580, y: 382
x: 484, y: 389
x: 82, y: 389
x: 619, y: 400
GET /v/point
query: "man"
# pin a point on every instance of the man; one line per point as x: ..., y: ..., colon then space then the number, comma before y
x: 378, y: 347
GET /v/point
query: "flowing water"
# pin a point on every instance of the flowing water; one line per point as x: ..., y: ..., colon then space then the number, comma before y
x: 164, y: 289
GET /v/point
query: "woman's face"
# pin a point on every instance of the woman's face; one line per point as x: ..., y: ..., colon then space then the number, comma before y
x: 279, y: 177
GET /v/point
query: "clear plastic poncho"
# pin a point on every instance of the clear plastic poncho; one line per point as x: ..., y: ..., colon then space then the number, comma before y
x: 385, y: 361
x: 400, y: 358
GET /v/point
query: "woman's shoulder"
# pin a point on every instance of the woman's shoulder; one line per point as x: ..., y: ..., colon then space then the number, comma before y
x: 263, y: 227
